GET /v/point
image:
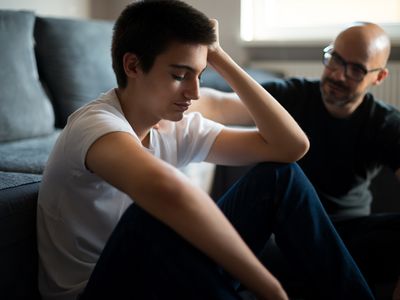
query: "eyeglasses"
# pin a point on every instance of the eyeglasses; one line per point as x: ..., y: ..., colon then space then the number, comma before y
x: 353, y: 71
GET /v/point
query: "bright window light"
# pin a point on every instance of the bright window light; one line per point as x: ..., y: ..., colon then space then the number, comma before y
x: 291, y: 20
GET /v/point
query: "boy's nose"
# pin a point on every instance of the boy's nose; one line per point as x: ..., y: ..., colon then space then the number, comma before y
x: 193, y: 91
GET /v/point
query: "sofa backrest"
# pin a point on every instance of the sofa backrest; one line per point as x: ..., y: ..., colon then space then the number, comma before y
x: 74, y: 61
x: 70, y: 58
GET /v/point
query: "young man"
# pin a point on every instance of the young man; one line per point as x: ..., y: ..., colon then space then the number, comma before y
x: 112, y: 206
x: 352, y: 136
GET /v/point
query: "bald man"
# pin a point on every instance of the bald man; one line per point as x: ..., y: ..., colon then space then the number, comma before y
x: 352, y: 137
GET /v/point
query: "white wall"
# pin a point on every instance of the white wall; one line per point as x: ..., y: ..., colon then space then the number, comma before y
x: 107, y: 9
x: 62, y: 8
x: 226, y: 11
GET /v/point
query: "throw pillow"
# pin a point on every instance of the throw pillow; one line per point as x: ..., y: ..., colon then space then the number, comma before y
x: 25, y: 110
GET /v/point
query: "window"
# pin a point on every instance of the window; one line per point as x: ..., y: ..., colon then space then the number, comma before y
x: 313, y: 20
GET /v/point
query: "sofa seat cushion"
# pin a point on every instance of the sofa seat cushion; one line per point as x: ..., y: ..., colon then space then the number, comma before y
x: 18, y: 253
x: 25, y: 109
x: 74, y: 59
x: 10, y: 180
x: 28, y: 155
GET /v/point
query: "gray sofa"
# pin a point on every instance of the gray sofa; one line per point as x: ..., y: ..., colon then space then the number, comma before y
x: 49, y: 68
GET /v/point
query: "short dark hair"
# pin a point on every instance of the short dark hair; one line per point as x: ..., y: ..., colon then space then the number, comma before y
x: 147, y: 28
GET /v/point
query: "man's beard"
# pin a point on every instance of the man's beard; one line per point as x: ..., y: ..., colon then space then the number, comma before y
x: 329, y: 97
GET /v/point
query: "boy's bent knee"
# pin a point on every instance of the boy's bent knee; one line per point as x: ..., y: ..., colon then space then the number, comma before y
x: 277, y: 168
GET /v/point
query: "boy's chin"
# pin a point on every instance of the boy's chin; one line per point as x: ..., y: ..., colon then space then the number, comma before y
x: 175, y: 118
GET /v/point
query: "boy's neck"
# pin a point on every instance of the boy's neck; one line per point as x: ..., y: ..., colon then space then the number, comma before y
x: 138, y: 124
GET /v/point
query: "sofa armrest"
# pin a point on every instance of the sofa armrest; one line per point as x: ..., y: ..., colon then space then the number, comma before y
x: 18, y: 252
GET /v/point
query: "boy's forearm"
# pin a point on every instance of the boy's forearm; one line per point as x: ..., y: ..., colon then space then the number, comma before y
x: 274, y: 123
x: 222, y: 107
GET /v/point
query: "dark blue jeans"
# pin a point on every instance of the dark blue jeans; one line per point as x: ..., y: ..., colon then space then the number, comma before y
x: 144, y: 259
x: 374, y: 243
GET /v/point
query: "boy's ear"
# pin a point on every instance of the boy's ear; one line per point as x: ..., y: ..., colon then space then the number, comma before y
x: 131, y: 64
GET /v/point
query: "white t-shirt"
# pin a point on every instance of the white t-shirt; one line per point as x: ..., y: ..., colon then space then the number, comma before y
x: 77, y: 210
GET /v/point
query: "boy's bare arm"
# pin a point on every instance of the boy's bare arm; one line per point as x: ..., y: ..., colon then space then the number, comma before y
x: 167, y: 195
x: 277, y: 136
x: 222, y: 107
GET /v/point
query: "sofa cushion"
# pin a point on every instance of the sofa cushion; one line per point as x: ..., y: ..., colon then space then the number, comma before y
x: 74, y: 59
x: 18, y: 253
x: 28, y: 155
x: 10, y: 180
x: 25, y: 109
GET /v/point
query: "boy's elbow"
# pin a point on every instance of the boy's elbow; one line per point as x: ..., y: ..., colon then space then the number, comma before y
x: 304, y: 146
x: 170, y: 189
x: 297, y: 150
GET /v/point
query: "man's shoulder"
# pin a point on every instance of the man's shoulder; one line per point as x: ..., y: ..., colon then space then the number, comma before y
x: 304, y: 82
x: 295, y: 94
x: 380, y: 109
x: 293, y: 85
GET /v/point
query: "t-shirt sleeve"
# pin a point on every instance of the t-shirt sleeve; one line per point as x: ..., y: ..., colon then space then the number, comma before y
x: 90, y: 126
x: 195, y: 136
